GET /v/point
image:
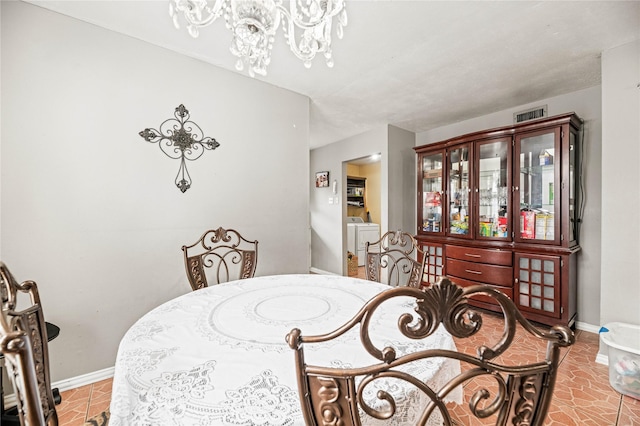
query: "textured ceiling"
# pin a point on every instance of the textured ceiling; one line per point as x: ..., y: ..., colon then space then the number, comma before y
x: 414, y: 64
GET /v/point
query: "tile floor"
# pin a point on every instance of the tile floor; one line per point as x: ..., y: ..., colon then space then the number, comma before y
x: 84, y: 402
x: 582, y: 396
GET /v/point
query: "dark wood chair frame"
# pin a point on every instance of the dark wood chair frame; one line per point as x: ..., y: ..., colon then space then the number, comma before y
x: 223, y: 250
x: 331, y: 396
x: 399, y: 254
x: 23, y: 343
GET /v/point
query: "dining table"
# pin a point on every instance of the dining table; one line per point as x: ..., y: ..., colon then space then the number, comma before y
x: 218, y: 355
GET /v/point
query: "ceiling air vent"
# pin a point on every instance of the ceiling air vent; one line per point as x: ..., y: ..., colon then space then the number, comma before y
x: 530, y: 114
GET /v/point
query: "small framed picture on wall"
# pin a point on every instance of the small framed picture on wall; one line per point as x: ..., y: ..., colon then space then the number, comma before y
x: 322, y: 179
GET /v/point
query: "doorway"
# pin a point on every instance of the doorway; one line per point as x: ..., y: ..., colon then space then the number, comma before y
x: 362, y: 216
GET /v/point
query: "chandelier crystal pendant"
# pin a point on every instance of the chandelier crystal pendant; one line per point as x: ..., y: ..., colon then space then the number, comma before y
x: 306, y: 25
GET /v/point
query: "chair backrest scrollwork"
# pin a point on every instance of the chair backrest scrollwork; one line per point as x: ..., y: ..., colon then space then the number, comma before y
x: 23, y: 343
x: 517, y: 394
x: 220, y: 255
x: 395, y: 259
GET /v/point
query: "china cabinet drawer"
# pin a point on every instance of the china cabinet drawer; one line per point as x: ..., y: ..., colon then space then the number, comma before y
x: 481, y: 298
x: 483, y: 273
x: 470, y: 254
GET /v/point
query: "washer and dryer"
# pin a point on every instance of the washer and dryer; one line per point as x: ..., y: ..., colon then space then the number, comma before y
x: 358, y: 233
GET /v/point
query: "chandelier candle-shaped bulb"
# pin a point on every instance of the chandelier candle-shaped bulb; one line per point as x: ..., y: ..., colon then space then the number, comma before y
x: 254, y: 24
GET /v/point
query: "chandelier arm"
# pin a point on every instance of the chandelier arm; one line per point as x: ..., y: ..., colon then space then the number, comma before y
x: 316, y: 35
x: 312, y: 48
x: 312, y: 23
x: 192, y: 11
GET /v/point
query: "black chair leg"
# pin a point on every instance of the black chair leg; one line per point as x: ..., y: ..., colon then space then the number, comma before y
x: 57, y: 399
x: 10, y: 417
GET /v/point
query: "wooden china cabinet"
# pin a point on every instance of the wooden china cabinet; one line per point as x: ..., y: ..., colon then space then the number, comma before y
x: 502, y: 207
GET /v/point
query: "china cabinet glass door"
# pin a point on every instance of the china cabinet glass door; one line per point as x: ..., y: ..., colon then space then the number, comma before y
x: 432, y: 192
x: 433, y: 263
x: 537, y: 283
x: 493, y: 189
x: 538, y: 165
x: 459, y: 189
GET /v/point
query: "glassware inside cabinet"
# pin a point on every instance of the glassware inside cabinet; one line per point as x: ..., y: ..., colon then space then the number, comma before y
x: 537, y: 187
x: 432, y: 192
x: 492, y: 189
x: 459, y: 191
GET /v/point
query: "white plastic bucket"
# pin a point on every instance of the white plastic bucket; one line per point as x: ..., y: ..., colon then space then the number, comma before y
x: 623, y: 341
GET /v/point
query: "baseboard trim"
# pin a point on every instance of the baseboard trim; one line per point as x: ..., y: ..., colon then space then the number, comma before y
x: 72, y: 383
x: 85, y: 379
x: 602, y: 359
x: 587, y: 327
x: 320, y: 271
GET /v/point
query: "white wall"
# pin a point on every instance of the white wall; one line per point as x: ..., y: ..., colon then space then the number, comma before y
x: 397, y: 187
x: 89, y: 209
x: 620, y: 291
x: 587, y: 104
x: 328, y: 231
x: 402, y: 180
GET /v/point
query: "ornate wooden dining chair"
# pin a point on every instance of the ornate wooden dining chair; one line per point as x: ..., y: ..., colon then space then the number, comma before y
x: 513, y: 394
x: 23, y: 343
x: 224, y: 253
x: 395, y: 259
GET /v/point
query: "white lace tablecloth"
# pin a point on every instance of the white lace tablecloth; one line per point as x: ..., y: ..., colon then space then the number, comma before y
x: 218, y: 356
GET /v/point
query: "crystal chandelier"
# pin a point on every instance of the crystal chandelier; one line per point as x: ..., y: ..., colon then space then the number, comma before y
x: 255, y: 22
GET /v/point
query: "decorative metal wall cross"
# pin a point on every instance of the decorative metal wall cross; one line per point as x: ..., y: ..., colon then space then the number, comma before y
x: 180, y: 138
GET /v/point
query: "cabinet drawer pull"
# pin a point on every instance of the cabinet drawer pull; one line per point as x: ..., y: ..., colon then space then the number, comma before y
x: 472, y: 255
x: 473, y: 272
